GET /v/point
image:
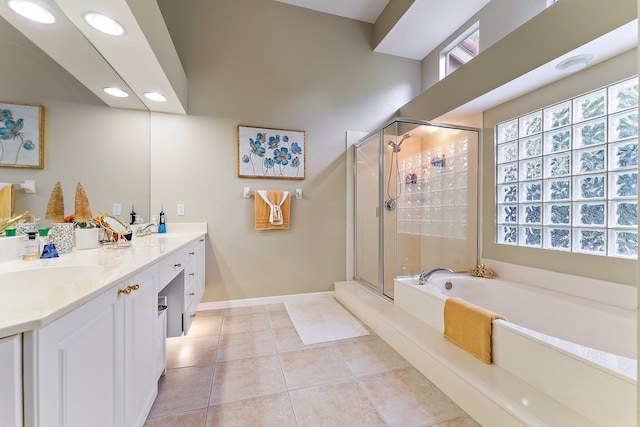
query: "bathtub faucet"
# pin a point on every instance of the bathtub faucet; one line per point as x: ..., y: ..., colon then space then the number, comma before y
x: 424, y: 276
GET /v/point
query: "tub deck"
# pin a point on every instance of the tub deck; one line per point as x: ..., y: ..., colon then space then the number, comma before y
x: 490, y: 394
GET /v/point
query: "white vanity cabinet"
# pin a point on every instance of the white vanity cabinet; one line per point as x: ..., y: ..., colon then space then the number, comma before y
x: 182, y: 282
x: 11, y: 381
x: 94, y: 366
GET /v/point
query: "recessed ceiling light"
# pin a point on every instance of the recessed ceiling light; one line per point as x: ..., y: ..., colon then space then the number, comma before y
x: 155, y: 96
x: 32, y: 11
x: 104, y: 23
x: 574, y: 63
x: 114, y: 91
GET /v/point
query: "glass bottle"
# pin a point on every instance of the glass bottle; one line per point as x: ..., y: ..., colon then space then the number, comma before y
x: 31, y: 247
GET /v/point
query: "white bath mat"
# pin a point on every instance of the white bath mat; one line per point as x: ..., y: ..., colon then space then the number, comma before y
x: 323, y: 320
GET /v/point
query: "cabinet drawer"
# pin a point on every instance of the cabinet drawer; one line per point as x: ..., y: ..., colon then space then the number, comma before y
x: 189, y: 295
x: 171, y: 266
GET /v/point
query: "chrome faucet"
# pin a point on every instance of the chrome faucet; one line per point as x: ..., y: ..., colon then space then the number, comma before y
x: 424, y: 276
x: 145, y: 231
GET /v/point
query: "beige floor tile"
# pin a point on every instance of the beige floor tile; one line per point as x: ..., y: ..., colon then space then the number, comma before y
x: 182, y: 419
x: 183, y: 351
x: 315, y: 366
x: 464, y: 421
x: 370, y: 356
x: 210, y: 313
x: 405, y: 397
x: 183, y: 389
x: 245, y: 323
x: 335, y: 405
x: 280, y: 319
x: 205, y: 327
x: 234, y: 311
x: 287, y: 339
x: 245, y: 345
x: 276, y: 307
x: 273, y: 410
x: 246, y: 378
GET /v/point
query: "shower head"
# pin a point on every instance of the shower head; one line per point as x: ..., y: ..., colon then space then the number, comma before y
x: 396, y: 147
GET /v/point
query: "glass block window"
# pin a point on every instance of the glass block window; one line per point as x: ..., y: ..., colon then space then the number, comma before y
x: 567, y: 175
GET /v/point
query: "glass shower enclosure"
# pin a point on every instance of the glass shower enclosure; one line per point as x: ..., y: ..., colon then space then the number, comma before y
x: 416, y: 201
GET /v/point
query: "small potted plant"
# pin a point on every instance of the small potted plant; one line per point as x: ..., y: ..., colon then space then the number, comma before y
x: 85, y: 228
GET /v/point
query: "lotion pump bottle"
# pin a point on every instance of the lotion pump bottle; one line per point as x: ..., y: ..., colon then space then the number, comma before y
x: 162, y: 228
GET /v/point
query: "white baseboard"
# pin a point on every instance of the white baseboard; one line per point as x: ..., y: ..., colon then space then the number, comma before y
x: 248, y: 302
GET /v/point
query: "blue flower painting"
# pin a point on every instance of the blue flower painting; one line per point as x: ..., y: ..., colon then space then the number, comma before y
x: 271, y: 153
x: 21, y: 135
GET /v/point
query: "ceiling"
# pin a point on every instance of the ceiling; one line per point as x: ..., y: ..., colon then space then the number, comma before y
x: 143, y: 60
x: 424, y: 26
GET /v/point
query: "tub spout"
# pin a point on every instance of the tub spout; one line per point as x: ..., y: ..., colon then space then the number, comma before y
x: 424, y: 276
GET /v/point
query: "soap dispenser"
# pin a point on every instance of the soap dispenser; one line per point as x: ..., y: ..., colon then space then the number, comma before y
x: 162, y: 228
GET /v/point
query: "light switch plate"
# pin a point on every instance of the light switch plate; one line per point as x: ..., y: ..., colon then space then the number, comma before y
x: 117, y: 209
x: 180, y: 209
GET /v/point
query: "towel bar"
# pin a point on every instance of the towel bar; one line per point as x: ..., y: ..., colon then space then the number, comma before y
x: 248, y: 192
x: 28, y: 185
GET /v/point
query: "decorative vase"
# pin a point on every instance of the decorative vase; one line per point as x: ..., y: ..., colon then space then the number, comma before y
x: 61, y: 235
x: 23, y: 229
x: 87, y: 238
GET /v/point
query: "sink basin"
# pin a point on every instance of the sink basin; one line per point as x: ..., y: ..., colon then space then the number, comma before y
x: 51, y: 276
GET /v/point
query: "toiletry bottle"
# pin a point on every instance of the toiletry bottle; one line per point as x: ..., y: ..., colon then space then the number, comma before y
x: 162, y: 228
x: 132, y: 216
x: 31, y: 247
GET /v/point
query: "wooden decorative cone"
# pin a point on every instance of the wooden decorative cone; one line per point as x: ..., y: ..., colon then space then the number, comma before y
x: 83, y: 210
x: 55, y: 208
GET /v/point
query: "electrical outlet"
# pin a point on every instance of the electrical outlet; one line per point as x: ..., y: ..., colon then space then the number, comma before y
x: 117, y: 209
x: 180, y: 209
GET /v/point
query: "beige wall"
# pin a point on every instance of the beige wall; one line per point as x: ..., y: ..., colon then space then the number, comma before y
x: 269, y: 64
x: 253, y: 62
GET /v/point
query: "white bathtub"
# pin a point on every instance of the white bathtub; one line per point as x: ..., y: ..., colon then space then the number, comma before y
x: 578, y: 351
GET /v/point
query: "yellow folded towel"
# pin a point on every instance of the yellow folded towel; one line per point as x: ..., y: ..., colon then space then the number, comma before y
x: 275, y: 214
x: 6, y: 200
x: 469, y: 326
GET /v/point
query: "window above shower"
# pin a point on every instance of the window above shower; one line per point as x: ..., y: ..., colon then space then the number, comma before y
x: 461, y: 51
x: 566, y: 175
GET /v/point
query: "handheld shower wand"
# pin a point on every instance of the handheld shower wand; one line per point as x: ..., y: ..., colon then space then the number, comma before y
x: 396, y: 147
x: 390, y: 203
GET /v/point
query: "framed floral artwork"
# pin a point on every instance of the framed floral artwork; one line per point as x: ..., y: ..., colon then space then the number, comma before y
x: 271, y: 153
x: 21, y: 135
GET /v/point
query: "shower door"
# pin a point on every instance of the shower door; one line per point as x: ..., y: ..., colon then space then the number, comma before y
x: 415, y: 201
x: 367, y: 211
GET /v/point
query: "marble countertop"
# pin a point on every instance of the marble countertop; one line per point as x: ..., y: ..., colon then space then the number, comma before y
x: 36, y: 292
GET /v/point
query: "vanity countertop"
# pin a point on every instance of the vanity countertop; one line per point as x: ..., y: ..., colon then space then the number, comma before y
x: 36, y: 292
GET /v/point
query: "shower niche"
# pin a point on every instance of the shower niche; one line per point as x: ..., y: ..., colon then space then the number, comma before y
x: 416, y: 201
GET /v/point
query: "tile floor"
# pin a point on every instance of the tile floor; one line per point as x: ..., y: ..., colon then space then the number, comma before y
x: 247, y: 367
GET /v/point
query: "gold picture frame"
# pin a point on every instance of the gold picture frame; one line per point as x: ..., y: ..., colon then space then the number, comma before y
x: 271, y: 153
x: 21, y: 135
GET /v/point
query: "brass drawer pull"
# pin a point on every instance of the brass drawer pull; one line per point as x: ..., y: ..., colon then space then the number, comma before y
x: 178, y: 265
x: 192, y: 253
x: 192, y: 274
x: 191, y: 294
x: 202, y: 240
x: 193, y: 315
x: 128, y: 289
